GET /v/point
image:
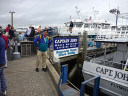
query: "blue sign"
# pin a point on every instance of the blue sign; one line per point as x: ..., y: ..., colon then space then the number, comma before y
x: 65, y: 43
x: 65, y: 46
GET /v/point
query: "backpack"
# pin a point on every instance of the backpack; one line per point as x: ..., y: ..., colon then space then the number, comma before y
x: 47, y: 36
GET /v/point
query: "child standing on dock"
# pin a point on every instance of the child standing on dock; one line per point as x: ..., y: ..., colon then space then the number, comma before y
x: 42, y: 43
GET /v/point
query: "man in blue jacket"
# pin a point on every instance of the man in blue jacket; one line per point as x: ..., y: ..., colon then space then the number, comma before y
x: 3, y: 86
x: 42, y: 43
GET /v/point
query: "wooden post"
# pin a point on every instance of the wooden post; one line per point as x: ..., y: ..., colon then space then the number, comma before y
x: 84, y: 45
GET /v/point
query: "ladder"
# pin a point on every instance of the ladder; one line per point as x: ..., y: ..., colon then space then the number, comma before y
x: 65, y: 90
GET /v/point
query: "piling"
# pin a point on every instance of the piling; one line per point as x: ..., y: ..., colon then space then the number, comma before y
x: 84, y: 45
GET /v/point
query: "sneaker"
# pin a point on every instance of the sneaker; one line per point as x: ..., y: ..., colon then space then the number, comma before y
x: 4, y: 93
x: 44, y: 69
x: 37, y: 69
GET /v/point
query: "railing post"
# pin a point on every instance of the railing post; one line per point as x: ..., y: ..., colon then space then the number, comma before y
x: 61, y: 94
x: 96, y: 87
x: 82, y: 89
x: 105, y: 53
x: 63, y: 76
x: 65, y: 73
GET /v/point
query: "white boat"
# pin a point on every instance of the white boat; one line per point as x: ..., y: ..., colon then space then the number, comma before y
x: 99, y: 28
x: 112, y: 68
x: 24, y: 28
x: 92, y: 27
x: 120, y: 32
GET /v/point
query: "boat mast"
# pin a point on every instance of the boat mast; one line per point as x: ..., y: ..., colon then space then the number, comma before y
x: 78, y: 12
x: 95, y: 13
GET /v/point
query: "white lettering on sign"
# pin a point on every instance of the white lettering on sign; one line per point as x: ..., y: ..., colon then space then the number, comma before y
x: 65, y: 52
x: 62, y: 41
x: 73, y: 40
x: 65, y: 47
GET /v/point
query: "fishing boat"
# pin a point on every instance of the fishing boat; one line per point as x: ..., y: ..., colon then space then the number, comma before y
x: 93, y: 28
x: 24, y: 28
x: 99, y: 29
x: 111, y: 67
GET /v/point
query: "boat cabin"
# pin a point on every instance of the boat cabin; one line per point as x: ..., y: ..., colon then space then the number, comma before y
x: 117, y: 59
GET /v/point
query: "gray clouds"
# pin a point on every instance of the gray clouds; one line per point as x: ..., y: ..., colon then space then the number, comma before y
x: 48, y: 12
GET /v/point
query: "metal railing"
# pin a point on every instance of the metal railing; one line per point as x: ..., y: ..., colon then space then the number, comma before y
x: 96, y: 86
x: 108, y: 63
x: 63, y: 80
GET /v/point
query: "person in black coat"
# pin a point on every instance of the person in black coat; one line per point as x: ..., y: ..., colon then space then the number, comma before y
x: 32, y: 34
x: 70, y: 27
x: 11, y: 33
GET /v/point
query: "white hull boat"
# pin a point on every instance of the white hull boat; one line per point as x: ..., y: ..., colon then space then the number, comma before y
x: 112, y: 69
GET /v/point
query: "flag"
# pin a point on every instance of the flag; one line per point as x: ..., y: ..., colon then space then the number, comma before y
x: 90, y: 18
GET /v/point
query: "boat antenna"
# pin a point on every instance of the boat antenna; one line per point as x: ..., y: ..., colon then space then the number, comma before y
x: 109, y: 5
x: 122, y: 22
x: 70, y: 18
x: 95, y: 13
x: 78, y: 12
x: 126, y: 22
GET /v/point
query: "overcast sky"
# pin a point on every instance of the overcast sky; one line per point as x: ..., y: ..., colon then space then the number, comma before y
x: 49, y: 12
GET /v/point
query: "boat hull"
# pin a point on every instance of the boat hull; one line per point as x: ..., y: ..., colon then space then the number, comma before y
x: 109, y: 83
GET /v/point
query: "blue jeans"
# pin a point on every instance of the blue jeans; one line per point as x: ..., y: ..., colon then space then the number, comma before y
x: 2, y: 80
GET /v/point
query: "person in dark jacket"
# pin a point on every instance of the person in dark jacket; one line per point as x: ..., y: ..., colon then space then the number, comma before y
x: 6, y: 42
x: 11, y: 33
x: 11, y: 41
x: 70, y: 27
x: 3, y: 86
x: 32, y: 34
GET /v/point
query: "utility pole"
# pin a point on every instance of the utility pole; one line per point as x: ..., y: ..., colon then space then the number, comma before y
x: 12, y: 17
x: 116, y: 12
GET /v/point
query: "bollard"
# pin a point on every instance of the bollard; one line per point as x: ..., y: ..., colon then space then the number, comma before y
x: 16, y: 54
